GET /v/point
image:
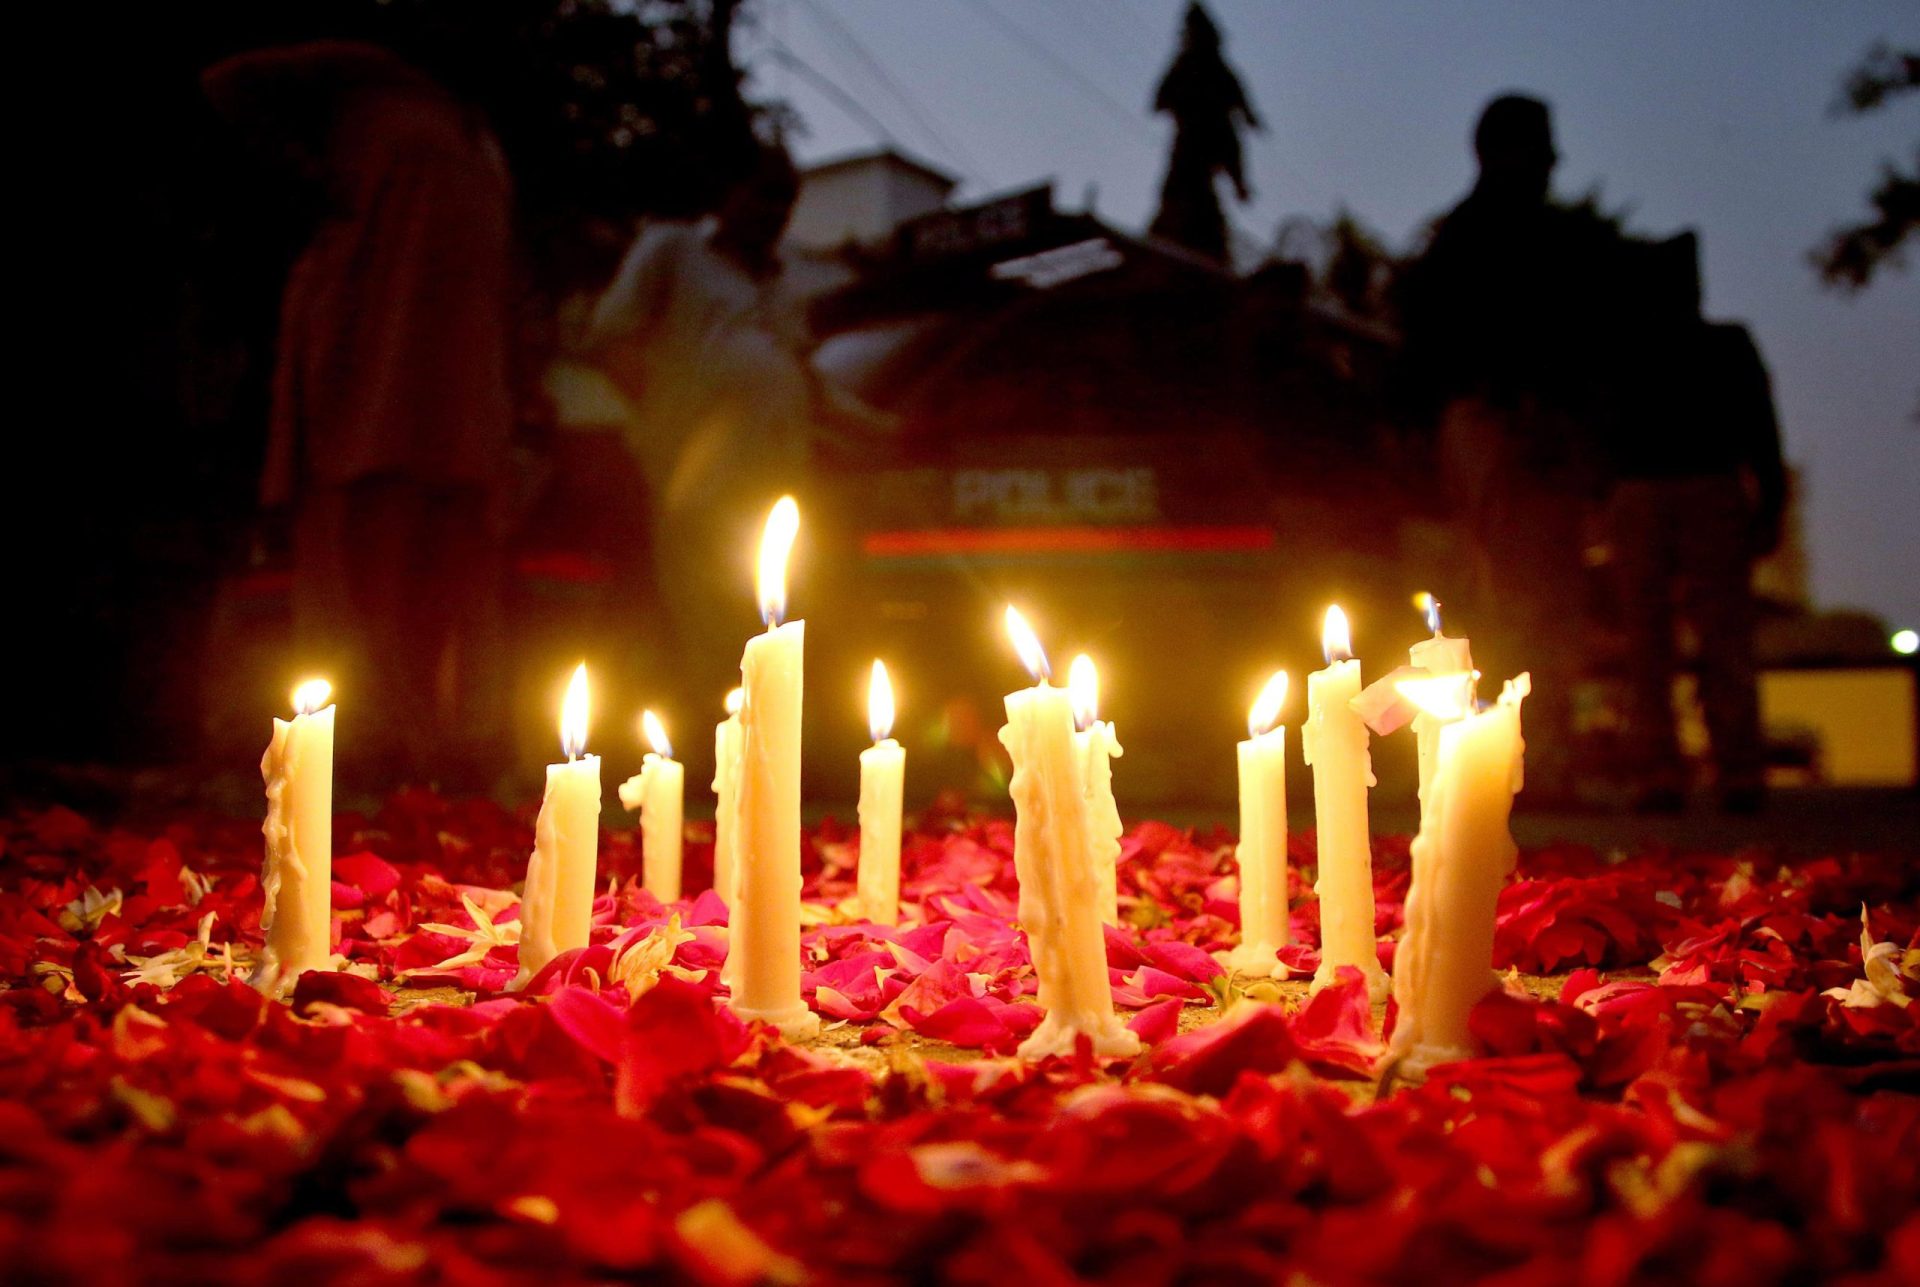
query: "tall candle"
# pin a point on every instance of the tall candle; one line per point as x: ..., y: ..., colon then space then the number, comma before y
x: 726, y: 782
x: 1461, y: 858
x: 1442, y: 658
x: 1095, y: 748
x: 658, y: 791
x: 765, y: 921
x: 1334, y: 742
x: 297, y: 878
x: 882, y: 782
x: 1262, y: 852
x: 556, y: 909
x: 1053, y: 859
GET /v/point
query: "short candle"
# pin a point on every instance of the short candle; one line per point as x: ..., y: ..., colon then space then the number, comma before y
x: 658, y: 791
x: 1053, y: 858
x: 882, y: 785
x: 297, y: 875
x: 556, y: 909
x: 1334, y: 743
x: 1262, y: 852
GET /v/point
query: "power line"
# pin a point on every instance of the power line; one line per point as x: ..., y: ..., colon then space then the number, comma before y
x: 1064, y: 69
x: 821, y: 81
x: 874, y: 68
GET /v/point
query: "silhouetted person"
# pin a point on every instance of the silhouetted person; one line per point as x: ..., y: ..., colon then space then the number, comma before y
x: 1500, y: 313
x: 1699, y: 493
x: 1209, y: 109
x: 391, y: 413
x: 710, y: 355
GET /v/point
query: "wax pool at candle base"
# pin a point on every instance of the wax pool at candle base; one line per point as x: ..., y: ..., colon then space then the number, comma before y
x: 297, y: 878
x: 1334, y: 741
x: 556, y: 909
x: 764, y: 935
x: 882, y: 784
x: 1461, y: 859
x: 1262, y: 856
x: 1059, y: 885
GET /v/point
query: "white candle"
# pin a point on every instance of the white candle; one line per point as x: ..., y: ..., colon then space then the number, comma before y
x: 1095, y: 748
x: 1059, y: 888
x: 556, y: 909
x: 1262, y: 852
x: 1334, y: 743
x: 658, y: 791
x: 1461, y: 858
x: 882, y: 783
x: 1442, y: 658
x: 765, y: 921
x: 726, y: 781
x: 297, y: 878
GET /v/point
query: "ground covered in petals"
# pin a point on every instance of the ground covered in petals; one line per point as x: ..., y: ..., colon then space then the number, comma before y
x: 1703, y: 1069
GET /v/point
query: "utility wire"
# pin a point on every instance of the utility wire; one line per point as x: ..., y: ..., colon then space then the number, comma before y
x: 1043, y: 54
x: 953, y: 150
x: 821, y: 81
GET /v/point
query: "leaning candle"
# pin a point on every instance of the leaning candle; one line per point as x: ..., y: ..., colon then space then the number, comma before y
x: 297, y: 878
x: 1334, y: 742
x: 1095, y: 748
x: 1461, y: 858
x: 556, y: 911
x: 658, y: 791
x: 764, y: 936
x: 1054, y: 863
x: 882, y: 782
x: 726, y: 784
x: 1262, y: 852
x: 1442, y: 658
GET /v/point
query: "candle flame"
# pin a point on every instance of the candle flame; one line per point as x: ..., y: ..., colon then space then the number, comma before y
x: 656, y: 734
x: 776, y: 543
x: 1266, y: 707
x: 1441, y: 696
x: 1027, y: 644
x: 311, y: 696
x: 734, y: 701
x: 1083, y: 686
x: 880, y: 703
x: 1336, y: 640
x: 573, y: 714
x: 1427, y: 604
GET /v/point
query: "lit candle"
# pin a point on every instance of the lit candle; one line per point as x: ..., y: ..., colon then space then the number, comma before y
x: 1334, y: 743
x: 1461, y: 858
x: 882, y: 781
x: 765, y: 922
x: 556, y: 909
x: 297, y: 878
x: 1262, y: 853
x: 726, y: 784
x: 658, y: 791
x: 1442, y: 658
x: 1095, y: 748
x: 1053, y: 859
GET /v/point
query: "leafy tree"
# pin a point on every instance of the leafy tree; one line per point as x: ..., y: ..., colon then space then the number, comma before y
x: 1852, y: 255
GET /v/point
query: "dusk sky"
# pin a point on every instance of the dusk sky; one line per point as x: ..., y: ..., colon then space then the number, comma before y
x: 1713, y: 114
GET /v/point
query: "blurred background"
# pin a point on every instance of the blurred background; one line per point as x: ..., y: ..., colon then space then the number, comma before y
x: 439, y: 344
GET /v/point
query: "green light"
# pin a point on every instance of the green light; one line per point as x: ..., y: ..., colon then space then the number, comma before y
x: 1905, y: 642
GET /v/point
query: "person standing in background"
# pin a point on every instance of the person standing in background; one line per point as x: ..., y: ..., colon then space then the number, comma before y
x: 711, y: 360
x: 1500, y: 316
x: 391, y: 414
x: 1699, y: 493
